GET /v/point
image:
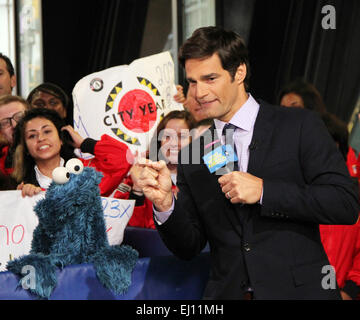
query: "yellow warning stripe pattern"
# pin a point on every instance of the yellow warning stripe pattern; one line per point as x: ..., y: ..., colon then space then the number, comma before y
x: 112, y: 96
x: 125, y: 137
x: 148, y: 84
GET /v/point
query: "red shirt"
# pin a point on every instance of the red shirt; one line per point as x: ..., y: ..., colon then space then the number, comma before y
x: 342, y: 245
x: 3, y: 155
x: 342, y: 242
x: 113, y: 159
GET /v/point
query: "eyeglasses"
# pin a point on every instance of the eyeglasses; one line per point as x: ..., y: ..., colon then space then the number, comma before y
x: 6, y: 122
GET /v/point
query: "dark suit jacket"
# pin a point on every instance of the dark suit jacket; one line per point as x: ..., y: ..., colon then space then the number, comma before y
x: 306, y: 183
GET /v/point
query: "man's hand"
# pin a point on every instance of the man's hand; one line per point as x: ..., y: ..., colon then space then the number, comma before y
x: 241, y: 187
x: 155, y: 182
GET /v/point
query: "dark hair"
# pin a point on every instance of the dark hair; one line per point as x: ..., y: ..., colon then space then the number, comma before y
x: 155, y: 144
x: 309, y: 94
x: 52, y: 89
x: 23, y: 161
x: 230, y: 47
x: 9, y: 98
x: 339, y: 132
x: 9, y: 65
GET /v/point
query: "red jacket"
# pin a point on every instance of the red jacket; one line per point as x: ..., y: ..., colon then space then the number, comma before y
x: 113, y: 159
x: 342, y: 244
x: 3, y: 155
x: 353, y: 163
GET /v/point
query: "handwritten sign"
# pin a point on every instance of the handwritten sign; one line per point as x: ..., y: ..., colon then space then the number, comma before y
x: 126, y: 102
x: 117, y: 213
x: 18, y: 221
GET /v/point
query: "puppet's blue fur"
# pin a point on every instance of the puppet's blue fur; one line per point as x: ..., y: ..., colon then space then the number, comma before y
x: 71, y: 230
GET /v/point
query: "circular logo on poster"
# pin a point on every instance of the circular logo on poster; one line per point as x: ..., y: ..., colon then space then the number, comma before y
x: 96, y: 84
x: 137, y: 110
x: 129, y: 113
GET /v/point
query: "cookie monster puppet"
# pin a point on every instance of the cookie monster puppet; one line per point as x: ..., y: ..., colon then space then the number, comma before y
x: 71, y: 230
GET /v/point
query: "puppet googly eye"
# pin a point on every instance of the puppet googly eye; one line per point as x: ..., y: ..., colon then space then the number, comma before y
x: 61, y: 175
x: 75, y: 166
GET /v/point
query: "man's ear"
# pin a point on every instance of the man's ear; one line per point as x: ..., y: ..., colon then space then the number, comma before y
x: 240, y: 74
x: 13, y: 81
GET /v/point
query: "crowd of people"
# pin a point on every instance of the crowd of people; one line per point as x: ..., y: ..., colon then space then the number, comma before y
x: 291, y: 214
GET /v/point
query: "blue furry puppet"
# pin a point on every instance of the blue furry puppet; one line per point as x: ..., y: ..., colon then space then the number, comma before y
x: 71, y: 230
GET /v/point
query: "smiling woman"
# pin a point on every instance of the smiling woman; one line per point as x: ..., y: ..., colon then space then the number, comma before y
x: 43, y: 143
x: 40, y: 138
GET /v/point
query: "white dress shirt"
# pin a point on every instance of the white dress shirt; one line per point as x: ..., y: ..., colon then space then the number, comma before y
x: 44, y: 181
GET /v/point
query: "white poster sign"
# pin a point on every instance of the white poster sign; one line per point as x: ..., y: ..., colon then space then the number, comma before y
x: 126, y: 102
x: 18, y: 221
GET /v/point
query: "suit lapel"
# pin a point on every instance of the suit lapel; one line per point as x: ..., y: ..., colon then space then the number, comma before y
x: 261, y: 140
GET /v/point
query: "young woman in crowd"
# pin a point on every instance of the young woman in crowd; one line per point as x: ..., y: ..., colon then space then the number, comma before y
x: 302, y: 94
x: 172, y: 134
x: 40, y: 138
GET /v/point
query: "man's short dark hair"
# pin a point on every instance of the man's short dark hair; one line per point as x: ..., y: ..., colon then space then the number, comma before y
x: 230, y: 47
x: 9, y: 66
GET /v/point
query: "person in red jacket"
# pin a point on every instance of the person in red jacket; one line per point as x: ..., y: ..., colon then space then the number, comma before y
x: 342, y: 243
x: 39, y: 139
x: 172, y: 133
x: 353, y: 163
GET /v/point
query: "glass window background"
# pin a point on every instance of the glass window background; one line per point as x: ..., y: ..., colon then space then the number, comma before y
x: 7, y: 33
x: 197, y: 13
x: 160, y: 33
x: 161, y: 28
x: 30, y: 45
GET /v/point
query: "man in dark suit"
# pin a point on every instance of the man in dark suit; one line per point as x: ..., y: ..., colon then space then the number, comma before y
x: 262, y: 219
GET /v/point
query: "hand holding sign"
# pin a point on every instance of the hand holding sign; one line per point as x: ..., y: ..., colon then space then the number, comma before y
x: 28, y: 189
x: 76, y: 138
